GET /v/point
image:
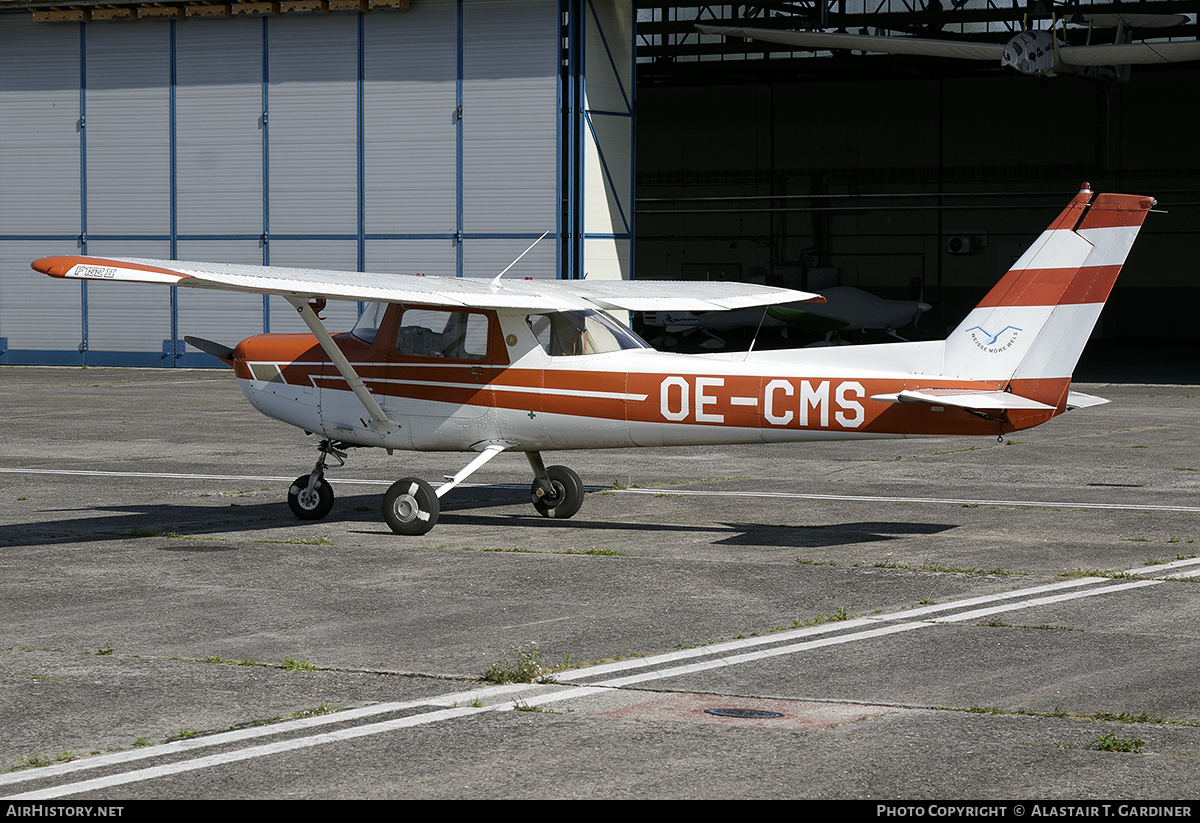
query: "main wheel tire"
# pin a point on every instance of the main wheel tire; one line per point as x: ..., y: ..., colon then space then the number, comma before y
x: 410, y: 506
x: 566, y: 498
x: 310, y: 504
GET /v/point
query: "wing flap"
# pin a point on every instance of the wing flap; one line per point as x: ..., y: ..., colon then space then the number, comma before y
x: 471, y: 292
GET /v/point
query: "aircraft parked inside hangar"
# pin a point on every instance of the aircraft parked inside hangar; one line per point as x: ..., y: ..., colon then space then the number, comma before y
x: 1038, y: 52
x: 844, y: 309
x: 461, y: 364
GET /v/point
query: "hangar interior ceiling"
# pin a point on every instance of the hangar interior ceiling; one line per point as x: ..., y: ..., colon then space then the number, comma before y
x: 671, y: 50
x: 810, y: 168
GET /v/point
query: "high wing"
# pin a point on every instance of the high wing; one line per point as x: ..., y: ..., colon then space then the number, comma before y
x: 535, y: 295
x: 963, y: 50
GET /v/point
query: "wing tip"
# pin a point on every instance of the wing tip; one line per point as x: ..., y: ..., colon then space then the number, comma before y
x: 56, y: 265
x: 80, y: 267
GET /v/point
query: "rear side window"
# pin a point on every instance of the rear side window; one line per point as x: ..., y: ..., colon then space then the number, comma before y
x: 571, y: 333
x: 454, y: 335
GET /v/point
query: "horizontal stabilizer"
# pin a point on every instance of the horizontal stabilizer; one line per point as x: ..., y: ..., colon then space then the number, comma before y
x: 1079, y: 400
x: 217, y: 350
x: 984, y: 401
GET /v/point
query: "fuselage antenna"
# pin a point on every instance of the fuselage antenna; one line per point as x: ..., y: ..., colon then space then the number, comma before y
x: 496, y: 279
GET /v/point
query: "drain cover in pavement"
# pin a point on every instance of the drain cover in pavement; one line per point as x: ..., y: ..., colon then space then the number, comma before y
x: 752, y: 714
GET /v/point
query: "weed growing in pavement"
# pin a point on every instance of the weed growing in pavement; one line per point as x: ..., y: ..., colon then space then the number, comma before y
x: 1112, y: 743
x: 520, y: 664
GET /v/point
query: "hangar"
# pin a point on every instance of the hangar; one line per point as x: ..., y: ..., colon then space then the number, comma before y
x: 444, y: 136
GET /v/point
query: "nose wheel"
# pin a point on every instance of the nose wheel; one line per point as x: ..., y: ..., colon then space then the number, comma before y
x: 310, y: 496
x: 309, y: 499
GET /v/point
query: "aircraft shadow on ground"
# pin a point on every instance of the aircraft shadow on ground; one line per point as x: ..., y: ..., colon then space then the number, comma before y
x: 832, y: 534
x: 184, y: 521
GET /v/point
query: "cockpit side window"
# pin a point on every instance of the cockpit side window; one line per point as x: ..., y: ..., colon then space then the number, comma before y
x: 454, y: 335
x: 572, y: 333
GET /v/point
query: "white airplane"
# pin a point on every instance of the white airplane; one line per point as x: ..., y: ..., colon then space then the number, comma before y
x: 471, y: 365
x: 1029, y: 52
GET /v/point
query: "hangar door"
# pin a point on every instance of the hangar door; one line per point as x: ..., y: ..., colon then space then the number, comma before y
x: 417, y: 141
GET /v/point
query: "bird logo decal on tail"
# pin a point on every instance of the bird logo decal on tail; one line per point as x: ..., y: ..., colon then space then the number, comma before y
x: 987, y: 341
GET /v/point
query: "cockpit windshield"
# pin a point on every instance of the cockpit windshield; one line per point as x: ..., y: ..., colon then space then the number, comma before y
x: 368, y: 322
x: 570, y: 333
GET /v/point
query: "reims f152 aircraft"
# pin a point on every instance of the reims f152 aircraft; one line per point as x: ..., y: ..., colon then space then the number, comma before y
x: 471, y: 365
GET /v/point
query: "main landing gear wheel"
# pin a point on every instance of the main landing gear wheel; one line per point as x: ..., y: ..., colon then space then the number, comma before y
x: 310, y: 503
x: 565, y: 497
x: 410, y: 506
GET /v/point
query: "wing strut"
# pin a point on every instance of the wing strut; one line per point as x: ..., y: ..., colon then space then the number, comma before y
x: 379, y: 420
x: 487, y: 450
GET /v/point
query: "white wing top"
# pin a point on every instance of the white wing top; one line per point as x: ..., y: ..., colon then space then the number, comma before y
x: 539, y: 295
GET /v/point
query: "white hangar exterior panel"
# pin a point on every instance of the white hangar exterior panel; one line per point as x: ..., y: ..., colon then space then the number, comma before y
x: 39, y: 128
x: 330, y: 139
x: 127, y: 186
x: 218, y: 129
x: 312, y: 113
x: 510, y: 127
x: 127, y: 129
x: 39, y: 152
x: 410, y: 77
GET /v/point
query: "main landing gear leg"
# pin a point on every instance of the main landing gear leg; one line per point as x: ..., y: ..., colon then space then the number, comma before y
x: 556, y: 491
x: 311, y: 496
x: 411, y: 506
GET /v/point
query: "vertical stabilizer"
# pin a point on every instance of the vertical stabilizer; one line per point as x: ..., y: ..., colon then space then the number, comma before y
x: 1032, y: 326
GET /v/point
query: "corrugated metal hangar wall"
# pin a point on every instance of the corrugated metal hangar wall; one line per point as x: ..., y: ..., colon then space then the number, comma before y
x: 428, y: 140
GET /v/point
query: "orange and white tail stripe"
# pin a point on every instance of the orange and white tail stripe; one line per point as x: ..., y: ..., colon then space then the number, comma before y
x: 1032, y: 326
